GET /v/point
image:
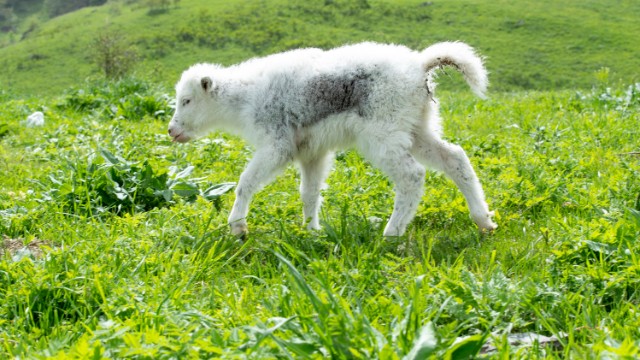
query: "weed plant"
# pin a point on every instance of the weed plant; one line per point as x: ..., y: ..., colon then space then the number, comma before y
x: 138, y: 262
x: 128, y: 98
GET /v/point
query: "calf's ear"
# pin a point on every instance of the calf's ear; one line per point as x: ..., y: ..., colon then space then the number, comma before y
x: 206, y: 83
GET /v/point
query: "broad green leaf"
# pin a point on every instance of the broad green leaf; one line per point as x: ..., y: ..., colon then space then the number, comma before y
x: 167, y: 194
x: 635, y: 214
x: 302, y: 348
x: 606, y: 249
x: 185, y: 189
x: 112, y: 159
x: 467, y: 348
x: 184, y: 173
x: 216, y: 191
x: 425, y: 344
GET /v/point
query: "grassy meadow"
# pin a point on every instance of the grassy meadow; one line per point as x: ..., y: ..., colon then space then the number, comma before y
x: 114, y: 242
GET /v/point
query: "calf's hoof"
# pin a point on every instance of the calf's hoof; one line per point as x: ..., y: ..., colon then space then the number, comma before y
x: 485, y: 223
x: 239, y: 229
x: 393, y: 231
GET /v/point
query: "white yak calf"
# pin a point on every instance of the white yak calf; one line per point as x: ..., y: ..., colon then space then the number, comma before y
x: 302, y: 105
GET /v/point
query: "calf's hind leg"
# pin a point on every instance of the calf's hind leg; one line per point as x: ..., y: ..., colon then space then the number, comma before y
x: 391, y: 156
x: 453, y: 161
x: 313, y: 174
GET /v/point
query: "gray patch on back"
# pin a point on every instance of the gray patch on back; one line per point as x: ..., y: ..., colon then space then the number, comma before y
x: 330, y: 94
x: 319, y: 97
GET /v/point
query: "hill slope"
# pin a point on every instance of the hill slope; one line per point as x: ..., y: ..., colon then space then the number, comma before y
x: 537, y: 45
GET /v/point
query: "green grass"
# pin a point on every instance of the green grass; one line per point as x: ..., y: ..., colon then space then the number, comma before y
x: 114, y: 241
x: 529, y: 45
x: 170, y: 282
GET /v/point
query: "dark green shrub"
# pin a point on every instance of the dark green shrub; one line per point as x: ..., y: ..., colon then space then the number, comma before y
x: 113, y: 54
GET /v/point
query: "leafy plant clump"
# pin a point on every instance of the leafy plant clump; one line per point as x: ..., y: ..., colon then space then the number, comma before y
x: 4, y: 129
x: 624, y: 101
x: 112, y: 184
x: 128, y: 98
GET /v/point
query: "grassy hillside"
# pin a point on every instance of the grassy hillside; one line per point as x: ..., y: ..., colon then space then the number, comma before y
x: 530, y: 45
x: 114, y: 240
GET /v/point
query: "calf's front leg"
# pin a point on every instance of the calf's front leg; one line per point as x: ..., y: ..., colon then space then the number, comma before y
x: 266, y: 164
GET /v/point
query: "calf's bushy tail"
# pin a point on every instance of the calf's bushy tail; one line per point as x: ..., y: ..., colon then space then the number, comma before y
x: 462, y: 57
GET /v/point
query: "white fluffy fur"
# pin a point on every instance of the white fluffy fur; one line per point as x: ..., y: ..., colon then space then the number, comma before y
x: 304, y: 104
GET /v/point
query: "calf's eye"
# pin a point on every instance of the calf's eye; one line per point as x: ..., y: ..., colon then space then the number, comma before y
x: 185, y: 102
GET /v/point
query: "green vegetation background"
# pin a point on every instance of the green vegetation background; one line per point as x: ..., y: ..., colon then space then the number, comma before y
x: 114, y: 241
x: 528, y: 44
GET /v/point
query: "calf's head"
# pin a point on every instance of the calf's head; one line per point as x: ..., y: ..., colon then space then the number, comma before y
x: 194, y: 100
